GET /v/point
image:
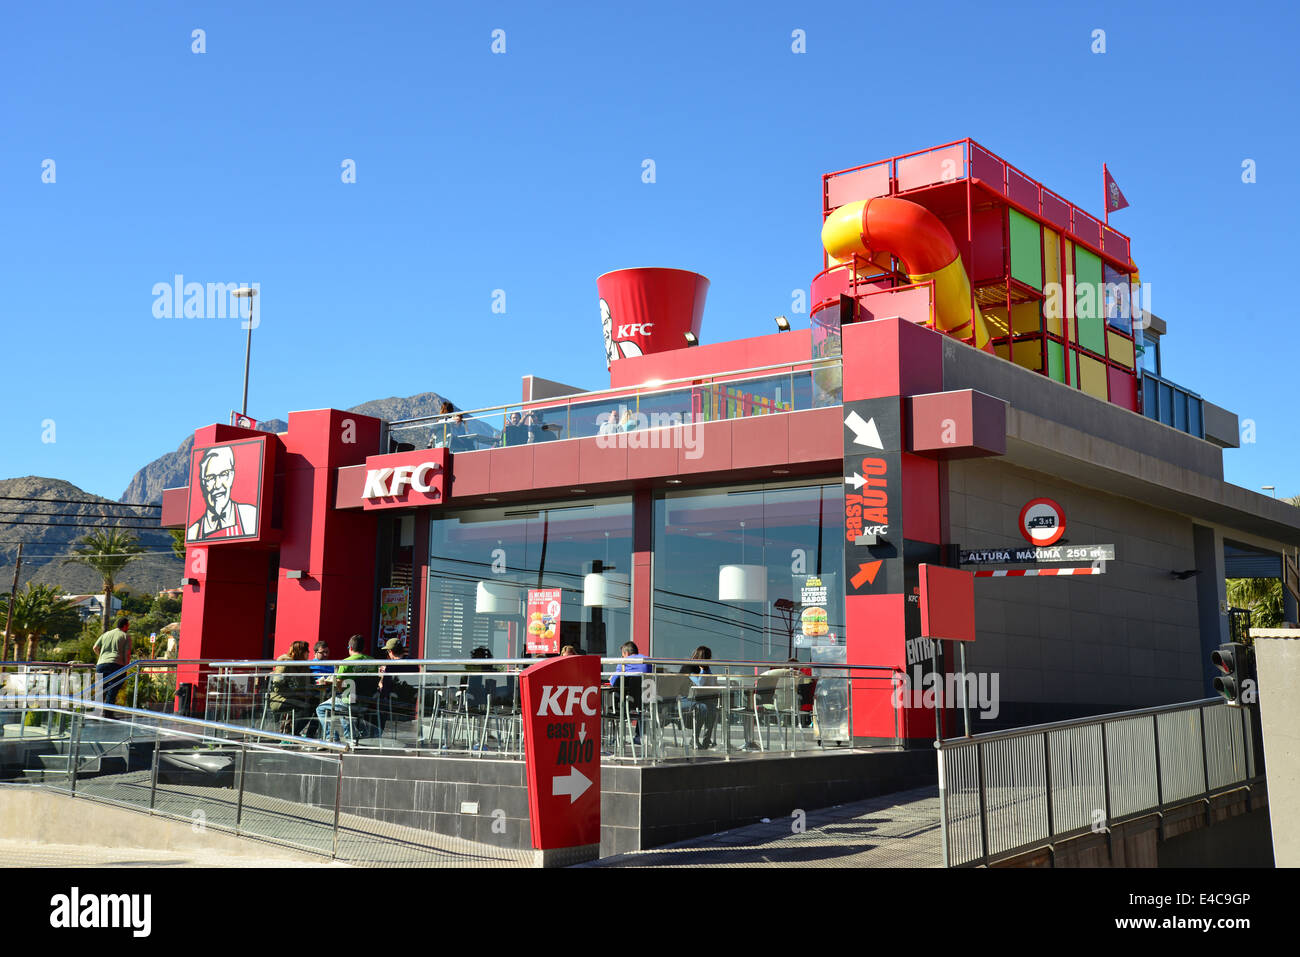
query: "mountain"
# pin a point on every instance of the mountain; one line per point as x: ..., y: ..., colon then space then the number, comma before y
x: 45, y: 546
x: 172, y: 469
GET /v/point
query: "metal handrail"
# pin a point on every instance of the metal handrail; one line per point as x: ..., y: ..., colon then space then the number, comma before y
x: 1031, y: 786
x: 78, y: 706
x: 617, y: 392
x: 1073, y: 723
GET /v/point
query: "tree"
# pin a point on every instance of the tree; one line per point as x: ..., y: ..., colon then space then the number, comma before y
x: 107, y: 551
x: 38, y: 612
x: 1262, y: 597
x: 178, y: 542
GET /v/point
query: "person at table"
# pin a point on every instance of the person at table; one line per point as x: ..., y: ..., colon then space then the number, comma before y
x: 705, y: 706
x: 636, y: 665
x: 290, y: 694
x: 346, y: 694
x: 438, y: 438
x: 537, y: 429
x: 396, y: 693
x: 515, y: 432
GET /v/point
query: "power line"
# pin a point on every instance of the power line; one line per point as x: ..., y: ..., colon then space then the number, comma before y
x: 98, y: 524
x: 77, y: 501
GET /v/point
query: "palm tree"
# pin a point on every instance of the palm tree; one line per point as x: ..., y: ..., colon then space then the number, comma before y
x: 178, y: 542
x: 107, y: 551
x: 37, y: 611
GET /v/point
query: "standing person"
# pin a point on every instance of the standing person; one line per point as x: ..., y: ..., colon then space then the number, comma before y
x: 438, y: 439
x: 114, y: 650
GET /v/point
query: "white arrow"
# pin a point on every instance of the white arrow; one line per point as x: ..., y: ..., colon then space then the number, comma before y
x: 857, y: 481
x: 573, y: 784
x: 582, y: 733
x: 864, y: 433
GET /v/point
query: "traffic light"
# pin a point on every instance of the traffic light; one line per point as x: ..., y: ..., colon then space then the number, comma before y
x: 1233, y: 671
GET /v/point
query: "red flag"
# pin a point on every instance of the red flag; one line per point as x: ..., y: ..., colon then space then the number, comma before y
x: 1114, y: 198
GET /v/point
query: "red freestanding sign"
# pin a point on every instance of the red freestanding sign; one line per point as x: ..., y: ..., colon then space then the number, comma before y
x: 561, y: 700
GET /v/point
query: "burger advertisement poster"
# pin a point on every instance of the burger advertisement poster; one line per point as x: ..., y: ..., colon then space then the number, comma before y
x: 543, y: 621
x: 814, y: 624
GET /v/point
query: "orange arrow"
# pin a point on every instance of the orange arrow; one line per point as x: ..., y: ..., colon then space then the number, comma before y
x: 867, y: 572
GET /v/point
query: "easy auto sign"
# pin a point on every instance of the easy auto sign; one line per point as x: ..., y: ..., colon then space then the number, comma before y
x: 561, y: 699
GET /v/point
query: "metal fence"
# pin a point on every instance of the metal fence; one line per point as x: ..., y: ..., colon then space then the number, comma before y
x: 1011, y: 791
x: 276, y: 788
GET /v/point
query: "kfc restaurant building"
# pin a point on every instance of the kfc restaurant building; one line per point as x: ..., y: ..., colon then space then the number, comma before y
x: 768, y: 497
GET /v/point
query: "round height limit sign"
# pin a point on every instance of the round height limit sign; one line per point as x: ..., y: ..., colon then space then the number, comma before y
x: 1042, y: 522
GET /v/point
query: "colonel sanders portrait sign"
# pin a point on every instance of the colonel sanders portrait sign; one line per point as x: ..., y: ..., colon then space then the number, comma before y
x: 226, y: 492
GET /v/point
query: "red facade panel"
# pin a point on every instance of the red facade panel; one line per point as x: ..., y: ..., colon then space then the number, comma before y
x: 1123, y: 388
x: 650, y: 462
x: 935, y: 166
x: 986, y: 168
x: 470, y: 474
x: 712, y: 451
x: 707, y: 360
x: 604, y: 459
x: 760, y: 440
x: 555, y: 464
x: 1087, y: 229
x: 1056, y: 211
x: 921, y: 518
x: 511, y: 469
x: 1023, y: 190
x: 816, y: 435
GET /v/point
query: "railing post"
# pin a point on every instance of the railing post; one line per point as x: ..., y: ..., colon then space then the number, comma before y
x: 984, y: 812
x: 153, y: 772
x: 419, y: 712
x: 943, y: 805
x: 1160, y: 790
x: 338, y: 800
x: 243, y: 765
x: 1047, y: 776
x: 1105, y: 775
x: 74, y: 743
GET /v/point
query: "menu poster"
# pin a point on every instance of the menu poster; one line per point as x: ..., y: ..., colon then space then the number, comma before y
x: 392, y: 615
x: 813, y: 625
x: 543, y: 622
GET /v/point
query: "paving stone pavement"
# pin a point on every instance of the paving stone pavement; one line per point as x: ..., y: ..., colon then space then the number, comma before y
x: 22, y: 854
x: 895, y: 830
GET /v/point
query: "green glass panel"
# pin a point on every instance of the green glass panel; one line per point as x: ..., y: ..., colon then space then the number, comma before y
x: 1056, y: 360
x: 1088, y: 291
x: 1026, y: 250
x: 1092, y: 334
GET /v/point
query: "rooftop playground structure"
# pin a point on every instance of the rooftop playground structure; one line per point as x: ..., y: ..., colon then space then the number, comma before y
x: 958, y: 239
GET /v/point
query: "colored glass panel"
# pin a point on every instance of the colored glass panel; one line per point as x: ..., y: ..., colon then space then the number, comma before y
x: 1092, y: 376
x: 1052, y: 279
x: 1120, y: 349
x: 1026, y: 249
x: 1028, y: 353
x: 1056, y: 360
x: 1025, y: 318
x: 1088, y: 289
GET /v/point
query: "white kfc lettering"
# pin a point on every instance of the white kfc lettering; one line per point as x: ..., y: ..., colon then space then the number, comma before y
x: 376, y: 483
x: 551, y: 700
x: 418, y: 482
x: 574, y: 695
x: 635, y: 328
x: 381, y: 483
x: 401, y: 479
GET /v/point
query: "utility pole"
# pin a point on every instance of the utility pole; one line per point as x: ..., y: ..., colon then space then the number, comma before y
x: 13, y: 596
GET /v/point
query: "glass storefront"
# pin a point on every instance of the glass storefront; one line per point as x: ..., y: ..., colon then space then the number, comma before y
x: 484, y: 563
x: 752, y: 573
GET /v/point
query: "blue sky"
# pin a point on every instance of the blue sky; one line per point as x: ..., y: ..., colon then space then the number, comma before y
x: 522, y: 172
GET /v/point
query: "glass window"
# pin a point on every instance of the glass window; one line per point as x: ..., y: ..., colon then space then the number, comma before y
x: 484, y: 562
x: 753, y: 573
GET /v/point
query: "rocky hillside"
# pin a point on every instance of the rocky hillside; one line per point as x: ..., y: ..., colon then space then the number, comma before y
x: 47, y: 545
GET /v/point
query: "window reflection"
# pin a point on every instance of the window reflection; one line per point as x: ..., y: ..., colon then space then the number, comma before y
x: 484, y: 562
x: 745, y: 571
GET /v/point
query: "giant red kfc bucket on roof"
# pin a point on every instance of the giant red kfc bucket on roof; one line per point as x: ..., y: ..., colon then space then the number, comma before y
x: 649, y: 310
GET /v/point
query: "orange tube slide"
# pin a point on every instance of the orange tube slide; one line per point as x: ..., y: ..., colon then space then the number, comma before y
x: 917, y: 237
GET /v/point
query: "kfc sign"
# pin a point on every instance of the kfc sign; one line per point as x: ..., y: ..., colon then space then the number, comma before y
x: 643, y: 311
x: 405, y: 479
x: 228, y: 492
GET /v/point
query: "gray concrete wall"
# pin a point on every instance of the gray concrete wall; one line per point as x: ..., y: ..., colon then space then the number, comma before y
x: 1277, y: 662
x: 1065, y: 647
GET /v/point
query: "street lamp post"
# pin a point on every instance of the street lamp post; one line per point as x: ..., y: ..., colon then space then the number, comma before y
x: 247, y: 292
x: 1272, y: 489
